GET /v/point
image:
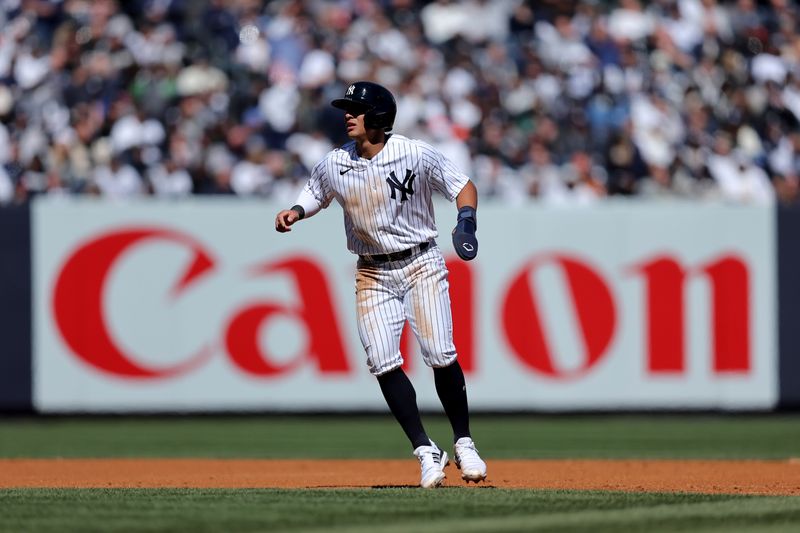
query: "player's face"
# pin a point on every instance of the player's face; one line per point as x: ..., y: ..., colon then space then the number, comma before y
x: 354, y: 123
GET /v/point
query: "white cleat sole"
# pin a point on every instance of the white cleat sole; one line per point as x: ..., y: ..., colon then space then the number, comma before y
x: 435, y: 482
x: 476, y: 477
x: 470, y: 475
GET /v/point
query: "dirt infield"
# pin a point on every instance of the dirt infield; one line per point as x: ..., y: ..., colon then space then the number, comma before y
x: 726, y: 477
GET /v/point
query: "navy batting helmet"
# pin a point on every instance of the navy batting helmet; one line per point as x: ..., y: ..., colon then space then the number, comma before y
x: 375, y: 101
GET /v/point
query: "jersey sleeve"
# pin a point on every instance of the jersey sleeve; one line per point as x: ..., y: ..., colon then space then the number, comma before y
x: 444, y: 176
x: 318, y: 185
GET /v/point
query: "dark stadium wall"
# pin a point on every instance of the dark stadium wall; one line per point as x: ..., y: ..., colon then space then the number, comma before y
x: 15, y: 310
x: 788, y: 306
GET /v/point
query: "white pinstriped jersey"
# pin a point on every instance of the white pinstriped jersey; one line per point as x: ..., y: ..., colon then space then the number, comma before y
x: 387, y: 199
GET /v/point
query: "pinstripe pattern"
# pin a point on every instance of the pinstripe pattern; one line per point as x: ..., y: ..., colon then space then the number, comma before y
x: 388, y: 207
x: 414, y: 289
x: 374, y: 222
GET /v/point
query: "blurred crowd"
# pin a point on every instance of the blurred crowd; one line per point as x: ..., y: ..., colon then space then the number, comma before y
x: 567, y: 102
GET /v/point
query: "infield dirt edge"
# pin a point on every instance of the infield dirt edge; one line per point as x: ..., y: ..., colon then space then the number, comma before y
x: 691, y: 476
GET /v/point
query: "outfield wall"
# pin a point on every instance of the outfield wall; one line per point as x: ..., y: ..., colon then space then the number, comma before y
x: 202, y: 306
x: 15, y: 309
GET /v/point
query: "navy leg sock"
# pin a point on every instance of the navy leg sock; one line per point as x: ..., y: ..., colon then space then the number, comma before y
x: 452, y: 391
x: 402, y: 400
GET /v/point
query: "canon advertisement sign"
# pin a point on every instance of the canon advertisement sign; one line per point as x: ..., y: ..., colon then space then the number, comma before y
x: 202, y: 306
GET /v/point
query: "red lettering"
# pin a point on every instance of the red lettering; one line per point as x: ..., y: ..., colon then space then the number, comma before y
x: 462, y: 301
x: 665, y: 278
x: 406, y: 346
x: 664, y: 295
x: 314, y: 309
x: 594, y: 308
x: 730, y: 282
x: 78, y: 301
x: 81, y: 320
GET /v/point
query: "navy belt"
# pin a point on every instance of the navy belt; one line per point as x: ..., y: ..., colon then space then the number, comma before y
x: 396, y: 256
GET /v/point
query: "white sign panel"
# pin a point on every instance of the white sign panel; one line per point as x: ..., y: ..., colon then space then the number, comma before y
x: 203, y: 306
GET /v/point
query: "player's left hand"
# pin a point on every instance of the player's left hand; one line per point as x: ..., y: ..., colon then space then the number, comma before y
x: 464, y: 240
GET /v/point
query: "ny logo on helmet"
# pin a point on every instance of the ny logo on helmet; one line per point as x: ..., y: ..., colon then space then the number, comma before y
x: 406, y: 188
x: 350, y: 90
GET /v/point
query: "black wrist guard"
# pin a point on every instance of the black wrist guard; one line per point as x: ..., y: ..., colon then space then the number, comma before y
x: 467, y: 219
x: 465, y: 242
x: 299, y: 210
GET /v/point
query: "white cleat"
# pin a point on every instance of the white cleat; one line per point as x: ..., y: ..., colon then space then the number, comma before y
x: 432, y: 461
x: 467, y: 459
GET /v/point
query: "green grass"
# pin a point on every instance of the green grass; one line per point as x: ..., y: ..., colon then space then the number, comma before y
x: 451, y: 509
x: 390, y: 510
x: 540, y: 437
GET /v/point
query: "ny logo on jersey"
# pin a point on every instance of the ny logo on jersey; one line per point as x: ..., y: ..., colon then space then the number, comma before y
x: 406, y: 188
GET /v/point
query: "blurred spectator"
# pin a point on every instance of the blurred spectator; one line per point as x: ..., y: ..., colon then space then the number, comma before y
x: 168, y: 180
x: 6, y: 187
x: 117, y: 180
x: 625, y: 166
x: 542, y: 177
x: 562, y: 101
x: 739, y: 180
x: 629, y: 22
x: 585, y: 180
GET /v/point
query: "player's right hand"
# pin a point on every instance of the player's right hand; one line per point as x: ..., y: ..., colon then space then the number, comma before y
x: 286, y: 218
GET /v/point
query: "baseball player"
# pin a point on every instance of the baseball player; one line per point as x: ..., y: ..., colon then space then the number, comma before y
x: 384, y: 183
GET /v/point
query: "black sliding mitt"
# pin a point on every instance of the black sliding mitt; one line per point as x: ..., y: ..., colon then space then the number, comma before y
x: 464, y: 240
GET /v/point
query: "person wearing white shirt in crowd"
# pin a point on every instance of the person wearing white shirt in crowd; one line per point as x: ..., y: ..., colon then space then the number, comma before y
x: 740, y: 180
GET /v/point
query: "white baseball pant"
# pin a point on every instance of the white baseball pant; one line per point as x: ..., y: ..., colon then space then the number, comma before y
x: 413, y: 289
